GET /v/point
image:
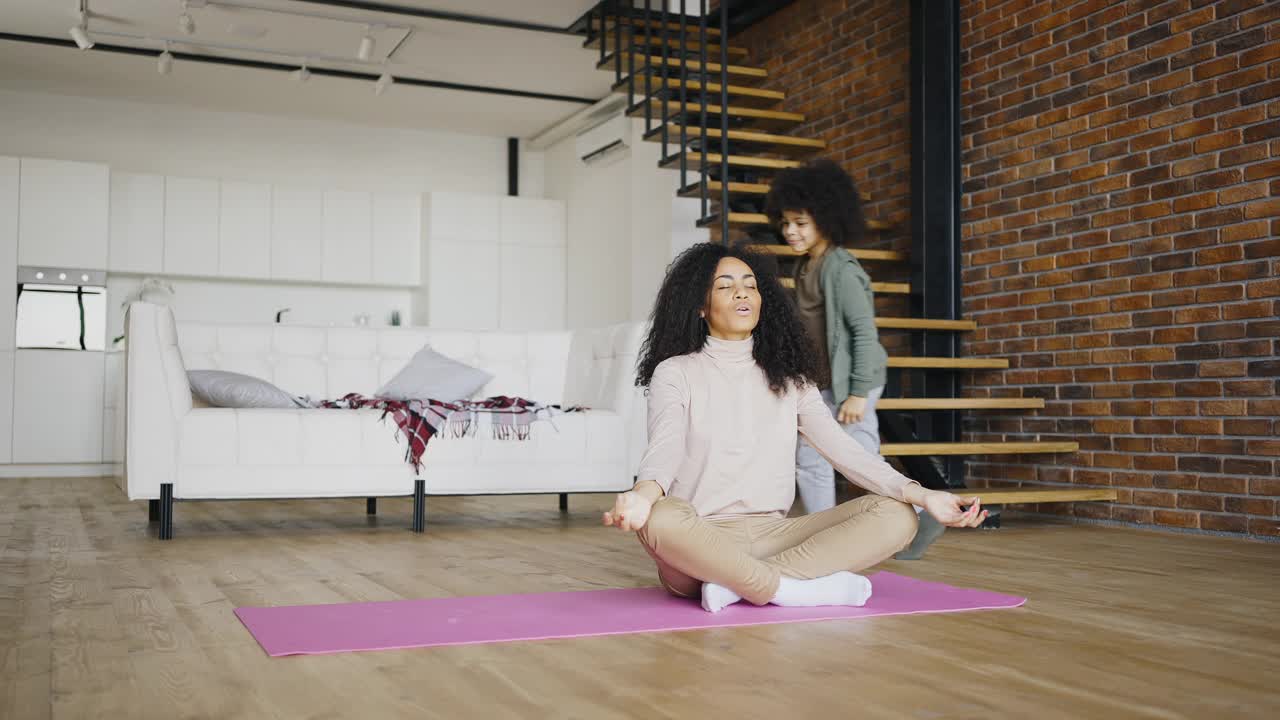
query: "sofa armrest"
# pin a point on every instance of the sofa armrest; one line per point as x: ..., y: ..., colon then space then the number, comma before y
x: 157, y: 398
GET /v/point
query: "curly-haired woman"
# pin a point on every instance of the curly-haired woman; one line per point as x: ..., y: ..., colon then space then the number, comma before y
x: 730, y: 377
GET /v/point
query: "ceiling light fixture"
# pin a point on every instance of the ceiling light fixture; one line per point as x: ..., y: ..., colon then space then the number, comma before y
x: 79, y: 35
x: 384, y: 80
x: 366, y: 45
x: 302, y: 74
x: 164, y: 63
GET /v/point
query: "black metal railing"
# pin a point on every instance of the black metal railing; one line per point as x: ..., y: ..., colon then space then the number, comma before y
x: 631, y: 25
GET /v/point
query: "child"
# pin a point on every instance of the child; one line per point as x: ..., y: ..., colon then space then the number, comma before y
x: 817, y: 209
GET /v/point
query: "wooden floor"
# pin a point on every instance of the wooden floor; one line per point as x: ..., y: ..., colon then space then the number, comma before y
x: 98, y: 619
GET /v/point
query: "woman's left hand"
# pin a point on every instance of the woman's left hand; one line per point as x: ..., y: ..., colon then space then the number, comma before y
x: 948, y: 509
x: 852, y: 410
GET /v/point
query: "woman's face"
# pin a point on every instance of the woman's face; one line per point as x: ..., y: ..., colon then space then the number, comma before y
x: 802, y: 234
x: 733, y: 305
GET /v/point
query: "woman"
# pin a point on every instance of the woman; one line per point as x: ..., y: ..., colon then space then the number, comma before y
x: 729, y: 373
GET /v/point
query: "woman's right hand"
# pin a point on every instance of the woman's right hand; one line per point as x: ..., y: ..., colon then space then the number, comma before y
x: 630, y: 511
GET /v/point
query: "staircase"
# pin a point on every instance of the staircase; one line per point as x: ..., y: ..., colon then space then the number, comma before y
x: 719, y: 125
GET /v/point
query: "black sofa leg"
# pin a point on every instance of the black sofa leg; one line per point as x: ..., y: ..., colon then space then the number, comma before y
x: 153, y: 511
x: 371, y: 506
x: 166, y: 511
x: 419, y: 506
x: 564, y: 502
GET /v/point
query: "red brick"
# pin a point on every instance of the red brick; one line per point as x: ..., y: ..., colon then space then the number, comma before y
x: 1177, y: 519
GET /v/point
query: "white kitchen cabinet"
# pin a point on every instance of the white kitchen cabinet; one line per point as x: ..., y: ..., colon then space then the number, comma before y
x: 112, y: 408
x: 460, y: 286
x: 58, y: 398
x: 6, y: 406
x: 8, y: 253
x: 137, y: 223
x: 244, y: 230
x: 464, y: 217
x: 296, y: 222
x: 533, y: 288
x: 397, y: 238
x: 190, y: 226
x: 532, y: 222
x: 62, y: 215
x: 348, y: 239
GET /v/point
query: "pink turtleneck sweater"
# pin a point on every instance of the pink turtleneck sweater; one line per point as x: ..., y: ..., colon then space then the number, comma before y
x: 720, y: 439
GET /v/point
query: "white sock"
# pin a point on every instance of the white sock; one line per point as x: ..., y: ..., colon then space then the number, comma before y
x: 842, y: 588
x: 717, y: 597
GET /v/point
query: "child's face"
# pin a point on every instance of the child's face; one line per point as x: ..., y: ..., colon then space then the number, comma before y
x: 801, y: 232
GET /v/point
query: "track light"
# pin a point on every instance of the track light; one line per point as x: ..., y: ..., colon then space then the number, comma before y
x: 302, y: 74
x: 366, y: 45
x: 79, y: 35
x: 164, y: 63
x: 384, y: 80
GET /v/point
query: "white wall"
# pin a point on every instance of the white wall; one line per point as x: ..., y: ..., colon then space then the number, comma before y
x: 624, y: 225
x: 170, y: 140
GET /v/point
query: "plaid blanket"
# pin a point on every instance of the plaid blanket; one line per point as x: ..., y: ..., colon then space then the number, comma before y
x: 421, y: 420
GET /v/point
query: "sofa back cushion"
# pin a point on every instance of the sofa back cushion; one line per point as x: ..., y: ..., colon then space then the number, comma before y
x: 326, y: 363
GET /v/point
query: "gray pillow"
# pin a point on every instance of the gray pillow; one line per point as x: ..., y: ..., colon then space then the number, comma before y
x: 432, y: 376
x: 220, y: 388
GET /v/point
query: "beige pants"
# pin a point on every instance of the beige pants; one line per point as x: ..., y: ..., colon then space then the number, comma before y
x: 749, y: 554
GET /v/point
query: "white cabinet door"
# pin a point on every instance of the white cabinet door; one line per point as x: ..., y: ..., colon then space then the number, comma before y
x: 190, y: 226
x: 460, y: 286
x: 464, y: 217
x: 6, y: 406
x: 62, y: 216
x: 244, y: 230
x: 8, y: 252
x: 533, y: 282
x: 348, y: 242
x: 137, y: 223
x: 397, y: 238
x: 57, y: 406
x: 295, y: 234
x: 532, y: 222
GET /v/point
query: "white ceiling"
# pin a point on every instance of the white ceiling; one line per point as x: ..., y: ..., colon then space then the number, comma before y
x: 291, y: 31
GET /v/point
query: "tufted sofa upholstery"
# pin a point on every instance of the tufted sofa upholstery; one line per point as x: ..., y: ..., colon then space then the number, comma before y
x: 209, y: 453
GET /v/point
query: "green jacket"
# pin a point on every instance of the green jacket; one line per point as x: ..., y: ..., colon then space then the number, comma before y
x: 858, y: 360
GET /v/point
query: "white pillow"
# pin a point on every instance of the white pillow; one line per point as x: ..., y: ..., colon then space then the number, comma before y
x: 220, y: 388
x: 432, y: 376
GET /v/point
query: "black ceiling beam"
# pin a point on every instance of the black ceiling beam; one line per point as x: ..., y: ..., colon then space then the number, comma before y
x: 267, y: 65
x: 391, y: 9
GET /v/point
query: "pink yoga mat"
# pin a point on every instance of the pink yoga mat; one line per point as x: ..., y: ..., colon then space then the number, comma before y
x: 346, y: 627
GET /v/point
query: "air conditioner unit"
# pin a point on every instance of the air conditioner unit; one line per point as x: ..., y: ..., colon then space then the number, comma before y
x: 604, y: 140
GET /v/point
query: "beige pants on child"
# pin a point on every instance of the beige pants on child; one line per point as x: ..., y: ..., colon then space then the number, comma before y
x: 749, y: 553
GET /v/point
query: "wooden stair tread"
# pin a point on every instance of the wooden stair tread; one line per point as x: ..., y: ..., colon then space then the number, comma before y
x: 741, y: 218
x: 694, y: 157
x: 977, y: 448
x: 741, y: 93
x: 691, y: 25
x: 885, y: 323
x: 888, y: 288
x: 692, y: 44
x: 761, y: 117
x: 860, y: 253
x: 1009, y: 496
x: 944, y: 363
x: 744, y: 188
x: 642, y: 60
x: 960, y: 404
x: 778, y: 143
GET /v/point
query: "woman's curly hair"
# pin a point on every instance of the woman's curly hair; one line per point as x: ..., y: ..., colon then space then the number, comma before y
x: 781, y: 348
x: 824, y: 190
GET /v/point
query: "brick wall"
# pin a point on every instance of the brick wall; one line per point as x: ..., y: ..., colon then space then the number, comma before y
x: 1121, y: 207
x: 1121, y: 223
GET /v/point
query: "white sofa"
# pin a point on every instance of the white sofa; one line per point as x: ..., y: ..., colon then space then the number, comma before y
x: 174, y: 451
